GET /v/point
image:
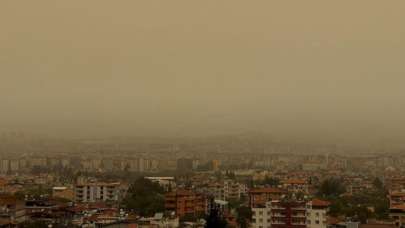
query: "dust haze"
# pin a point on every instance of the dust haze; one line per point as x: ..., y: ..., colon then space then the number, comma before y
x: 312, y: 70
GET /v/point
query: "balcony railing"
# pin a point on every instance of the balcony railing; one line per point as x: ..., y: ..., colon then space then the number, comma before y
x: 298, y: 223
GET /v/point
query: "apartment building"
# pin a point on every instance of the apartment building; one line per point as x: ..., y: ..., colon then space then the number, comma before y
x: 317, y: 213
x: 14, y: 165
x: 396, y: 198
x: 233, y: 189
x: 97, y: 191
x: 296, y: 185
x: 38, y: 162
x: 167, y: 183
x: 397, y: 213
x: 226, y: 190
x: 258, y: 197
x: 290, y: 214
x: 12, y: 210
x: 397, y: 207
x: 185, y: 202
x: 261, y: 216
x: 4, y: 166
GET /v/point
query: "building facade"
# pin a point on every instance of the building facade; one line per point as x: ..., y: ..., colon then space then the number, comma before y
x: 290, y: 214
x: 97, y: 191
x: 12, y: 210
x: 185, y: 202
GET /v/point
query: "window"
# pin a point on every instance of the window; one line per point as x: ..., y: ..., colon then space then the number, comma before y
x: 317, y: 221
x: 317, y: 214
x: 309, y: 221
x: 260, y: 212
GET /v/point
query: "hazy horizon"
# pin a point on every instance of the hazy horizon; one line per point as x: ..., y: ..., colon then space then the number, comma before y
x: 316, y: 70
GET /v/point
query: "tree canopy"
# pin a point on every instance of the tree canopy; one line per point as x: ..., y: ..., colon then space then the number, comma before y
x: 331, y: 187
x: 144, y: 197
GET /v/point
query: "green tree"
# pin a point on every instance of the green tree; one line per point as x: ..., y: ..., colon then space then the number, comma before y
x: 244, y: 214
x: 215, y: 220
x: 34, y: 224
x: 331, y: 188
x: 144, y: 197
x: 378, y: 184
x: 337, y: 207
x: 271, y: 181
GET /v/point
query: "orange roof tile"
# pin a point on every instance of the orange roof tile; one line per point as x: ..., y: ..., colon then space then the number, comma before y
x: 266, y: 190
x: 399, y: 206
x: 295, y: 181
x: 320, y: 203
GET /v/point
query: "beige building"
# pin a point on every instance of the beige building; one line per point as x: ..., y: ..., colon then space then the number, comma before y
x: 97, y: 191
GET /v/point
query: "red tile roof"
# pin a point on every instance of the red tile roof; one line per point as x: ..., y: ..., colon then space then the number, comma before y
x: 397, y: 194
x: 320, y: 203
x: 399, y: 206
x: 295, y: 181
x: 266, y: 190
x: 333, y: 220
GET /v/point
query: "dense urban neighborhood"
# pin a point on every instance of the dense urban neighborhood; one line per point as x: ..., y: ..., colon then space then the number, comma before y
x: 227, y: 181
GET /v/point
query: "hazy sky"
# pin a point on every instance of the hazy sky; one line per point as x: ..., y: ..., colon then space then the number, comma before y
x: 318, y: 69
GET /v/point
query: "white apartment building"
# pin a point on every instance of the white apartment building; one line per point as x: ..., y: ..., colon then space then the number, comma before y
x: 261, y: 217
x: 14, y: 165
x: 97, y: 191
x: 229, y: 189
x: 165, y: 182
x: 314, y: 215
x: 233, y: 190
x: 4, y: 166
